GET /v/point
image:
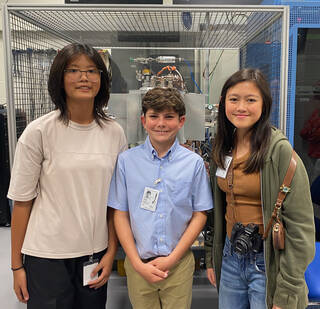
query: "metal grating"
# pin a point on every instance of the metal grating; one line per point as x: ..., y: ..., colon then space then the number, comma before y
x: 33, y: 50
x: 36, y: 33
x: 205, y: 28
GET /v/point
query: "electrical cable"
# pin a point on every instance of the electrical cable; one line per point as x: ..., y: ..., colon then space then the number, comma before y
x: 192, y: 75
x: 212, y: 71
x: 186, y: 19
x: 210, y: 75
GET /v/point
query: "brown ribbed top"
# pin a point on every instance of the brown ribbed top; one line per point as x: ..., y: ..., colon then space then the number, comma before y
x: 246, y: 189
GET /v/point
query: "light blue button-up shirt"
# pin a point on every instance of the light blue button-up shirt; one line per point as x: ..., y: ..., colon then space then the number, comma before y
x: 181, y: 179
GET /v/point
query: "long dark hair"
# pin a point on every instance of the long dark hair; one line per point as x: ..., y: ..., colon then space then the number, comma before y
x: 56, y: 80
x: 260, y: 131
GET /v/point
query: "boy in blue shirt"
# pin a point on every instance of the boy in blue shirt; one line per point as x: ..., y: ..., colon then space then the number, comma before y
x: 161, y: 193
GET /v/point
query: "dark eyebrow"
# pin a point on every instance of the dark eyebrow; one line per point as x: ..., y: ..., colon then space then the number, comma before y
x: 237, y: 95
x: 252, y: 95
x: 78, y: 67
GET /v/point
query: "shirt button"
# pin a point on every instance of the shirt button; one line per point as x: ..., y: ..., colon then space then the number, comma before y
x: 161, y: 216
x: 161, y: 239
x: 161, y: 166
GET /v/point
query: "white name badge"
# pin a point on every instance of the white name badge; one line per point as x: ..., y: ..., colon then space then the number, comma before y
x: 88, y: 267
x: 150, y: 199
x: 223, y: 172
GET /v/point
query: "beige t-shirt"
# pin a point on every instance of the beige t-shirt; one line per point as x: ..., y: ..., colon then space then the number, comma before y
x: 67, y: 169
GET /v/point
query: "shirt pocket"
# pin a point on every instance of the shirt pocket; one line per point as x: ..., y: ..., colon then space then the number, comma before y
x: 182, y: 194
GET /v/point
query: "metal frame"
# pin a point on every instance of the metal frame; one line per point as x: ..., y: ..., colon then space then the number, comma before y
x: 294, y: 33
x: 295, y: 7
x: 11, y: 115
x: 30, y: 11
x: 284, y: 70
x: 27, y: 12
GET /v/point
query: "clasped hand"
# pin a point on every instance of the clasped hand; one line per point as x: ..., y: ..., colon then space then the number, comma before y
x: 156, y: 270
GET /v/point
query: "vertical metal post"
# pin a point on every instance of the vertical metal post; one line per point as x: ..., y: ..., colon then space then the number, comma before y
x: 206, y: 76
x: 207, y: 64
x: 11, y: 113
x: 284, y: 69
x: 197, y: 66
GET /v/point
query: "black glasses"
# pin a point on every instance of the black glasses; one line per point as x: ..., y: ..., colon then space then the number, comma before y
x: 93, y: 75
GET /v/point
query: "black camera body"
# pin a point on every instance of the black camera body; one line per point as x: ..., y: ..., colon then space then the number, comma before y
x: 246, y: 239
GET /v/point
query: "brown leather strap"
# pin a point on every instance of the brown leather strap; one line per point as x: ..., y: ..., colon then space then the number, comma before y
x: 273, y: 217
x: 284, y: 190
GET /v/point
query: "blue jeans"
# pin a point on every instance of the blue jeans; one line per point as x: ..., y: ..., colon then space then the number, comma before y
x: 243, y: 280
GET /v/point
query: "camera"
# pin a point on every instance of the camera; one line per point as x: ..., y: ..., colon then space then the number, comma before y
x: 246, y: 239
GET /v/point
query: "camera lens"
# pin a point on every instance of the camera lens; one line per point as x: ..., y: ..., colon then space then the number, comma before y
x: 245, y: 239
x: 243, y: 245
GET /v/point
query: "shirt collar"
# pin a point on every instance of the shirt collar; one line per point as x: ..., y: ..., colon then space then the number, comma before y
x: 152, y: 153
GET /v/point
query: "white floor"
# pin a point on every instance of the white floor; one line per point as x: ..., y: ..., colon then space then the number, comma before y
x: 204, y: 296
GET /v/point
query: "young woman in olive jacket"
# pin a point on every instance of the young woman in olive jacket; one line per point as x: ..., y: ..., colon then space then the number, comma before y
x: 277, y: 282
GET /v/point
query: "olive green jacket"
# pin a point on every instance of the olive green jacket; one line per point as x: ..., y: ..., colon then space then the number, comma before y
x: 285, y: 269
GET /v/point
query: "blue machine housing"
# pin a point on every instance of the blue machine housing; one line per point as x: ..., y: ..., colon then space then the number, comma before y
x: 303, y: 14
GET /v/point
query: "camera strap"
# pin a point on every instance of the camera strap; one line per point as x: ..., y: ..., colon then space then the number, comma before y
x: 284, y: 190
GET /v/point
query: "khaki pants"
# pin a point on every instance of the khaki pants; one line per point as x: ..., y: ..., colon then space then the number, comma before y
x: 174, y: 292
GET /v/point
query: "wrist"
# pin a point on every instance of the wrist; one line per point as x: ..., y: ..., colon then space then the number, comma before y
x: 17, y: 268
x: 138, y: 265
x: 111, y: 251
x: 175, y: 257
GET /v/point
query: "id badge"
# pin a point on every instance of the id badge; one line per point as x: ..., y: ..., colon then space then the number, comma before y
x: 223, y: 172
x: 88, y: 267
x: 150, y: 199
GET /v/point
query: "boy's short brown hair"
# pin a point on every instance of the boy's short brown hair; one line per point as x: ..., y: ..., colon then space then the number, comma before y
x: 160, y: 99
